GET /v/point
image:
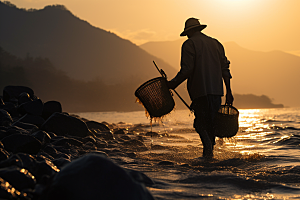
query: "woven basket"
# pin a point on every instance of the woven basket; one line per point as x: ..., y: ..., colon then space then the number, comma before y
x: 156, y: 97
x: 226, y: 121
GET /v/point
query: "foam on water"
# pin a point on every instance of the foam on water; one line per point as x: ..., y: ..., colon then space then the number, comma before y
x: 260, y: 162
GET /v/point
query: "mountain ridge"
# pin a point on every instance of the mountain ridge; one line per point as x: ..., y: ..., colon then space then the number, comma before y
x: 85, y: 52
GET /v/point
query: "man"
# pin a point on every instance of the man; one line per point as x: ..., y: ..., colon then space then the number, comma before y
x: 205, y: 66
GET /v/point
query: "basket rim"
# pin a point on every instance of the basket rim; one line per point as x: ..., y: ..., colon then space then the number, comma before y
x: 151, y: 80
x: 230, y: 106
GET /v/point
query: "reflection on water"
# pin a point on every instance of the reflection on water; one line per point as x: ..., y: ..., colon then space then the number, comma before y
x: 260, y: 162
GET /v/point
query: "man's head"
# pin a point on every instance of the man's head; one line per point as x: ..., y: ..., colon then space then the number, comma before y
x: 192, y: 25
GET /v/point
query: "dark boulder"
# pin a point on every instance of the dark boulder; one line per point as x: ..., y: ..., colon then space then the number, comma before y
x: 32, y: 119
x: 61, y: 162
x: 51, y: 107
x: 3, y: 134
x: 107, y: 135
x: 28, y: 127
x: 32, y: 107
x: 89, y: 139
x: 95, y: 177
x: 1, y: 102
x: 5, y: 118
x: 63, y: 141
x: 92, y: 125
x: 3, y: 154
x: 44, y: 168
x: 19, y: 178
x: 13, y: 92
x: 62, y: 124
x: 10, y: 108
x: 119, y: 131
x: 134, y: 143
x: 15, y: 129
x: 16, y: 143
x: 42, y: 136
x: 23, y: 98
x: 140, y: 177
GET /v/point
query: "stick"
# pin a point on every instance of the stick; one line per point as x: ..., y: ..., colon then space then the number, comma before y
x: 162, y: 73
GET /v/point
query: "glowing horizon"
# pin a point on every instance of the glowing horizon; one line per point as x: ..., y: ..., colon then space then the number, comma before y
x: 254, y: 24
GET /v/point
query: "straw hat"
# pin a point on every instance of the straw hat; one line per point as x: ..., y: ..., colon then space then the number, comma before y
x: 192, y: 23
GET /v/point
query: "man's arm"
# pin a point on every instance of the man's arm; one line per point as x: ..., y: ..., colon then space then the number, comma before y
x: 187, y: 64
x: 229, y: 96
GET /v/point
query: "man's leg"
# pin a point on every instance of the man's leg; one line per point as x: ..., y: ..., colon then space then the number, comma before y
x: 214, y: 102
x: 202, y: 123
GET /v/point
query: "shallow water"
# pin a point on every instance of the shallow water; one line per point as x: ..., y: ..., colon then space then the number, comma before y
x: 261, y: 162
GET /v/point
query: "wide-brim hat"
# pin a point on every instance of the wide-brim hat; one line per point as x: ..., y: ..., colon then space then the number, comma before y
x: 192, y: 23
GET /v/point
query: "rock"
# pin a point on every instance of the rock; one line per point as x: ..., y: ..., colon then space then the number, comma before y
x: 152, y: 134
x: 61, y: 162
x: 166, y: 162
x: 32, y: 107
x: 51, y: 107
x: 107, y: 135
x: 32, y: 119
x: 125, y: 137
x: 63, y: 141
x: 92, y: 125
x: 89, y: 139
x: 157, y: 147
x: 3, y: 134
x: 23, y: 98
x: 16, y: 143
x: 119, y: 132
x: 134, y: 143
x: 1, y: 102
x: 89, y: 146
x: 42, y: 136
x: 19, y: 178
x: 15, y: 129
x: 140, y: 177
x: 101, y: 144
x: 13, y: 92
x: 95, y: 177
x: 10, y: 108
x: 44, y: 168
x: 5, y: 118
x: 50, y: 150
x: 28, y: 127
x: 3, y: 154
x: 62, y: 124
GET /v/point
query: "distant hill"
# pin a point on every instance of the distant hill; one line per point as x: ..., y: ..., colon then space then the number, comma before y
x: 50, y: 83
x: 83, y: 51
x: 274, y: 73
x: 169, y: 51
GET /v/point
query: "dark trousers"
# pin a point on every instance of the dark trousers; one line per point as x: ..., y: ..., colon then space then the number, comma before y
x: 205, y: 109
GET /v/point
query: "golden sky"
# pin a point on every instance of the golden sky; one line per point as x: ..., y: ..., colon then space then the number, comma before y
x: 263, y: 25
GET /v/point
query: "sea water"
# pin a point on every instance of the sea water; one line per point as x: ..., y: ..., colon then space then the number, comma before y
x: 261, y: 162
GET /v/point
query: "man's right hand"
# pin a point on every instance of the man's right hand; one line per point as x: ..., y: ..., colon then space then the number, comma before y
x: 171, y: 85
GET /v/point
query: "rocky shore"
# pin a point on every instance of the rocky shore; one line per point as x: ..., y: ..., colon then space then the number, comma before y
x: 46, y: 153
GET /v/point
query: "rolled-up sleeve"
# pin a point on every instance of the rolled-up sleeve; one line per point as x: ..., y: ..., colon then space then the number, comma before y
x: 186, y: 63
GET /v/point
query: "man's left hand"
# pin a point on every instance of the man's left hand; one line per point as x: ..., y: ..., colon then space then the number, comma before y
x: 229, y: 98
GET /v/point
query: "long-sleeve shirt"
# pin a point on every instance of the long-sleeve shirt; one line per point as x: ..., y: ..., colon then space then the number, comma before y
x: 203, y: 64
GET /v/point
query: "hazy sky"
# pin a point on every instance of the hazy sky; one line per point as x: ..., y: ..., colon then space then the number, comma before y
x: 254, y: 24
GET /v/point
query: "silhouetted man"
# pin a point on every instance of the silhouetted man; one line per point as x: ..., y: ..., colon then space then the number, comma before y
x: 205, y: 66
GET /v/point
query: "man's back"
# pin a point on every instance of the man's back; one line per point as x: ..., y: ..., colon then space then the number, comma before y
x: 208, y: 56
